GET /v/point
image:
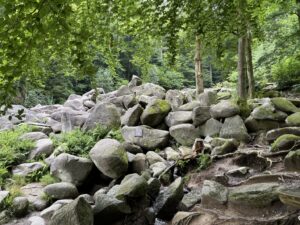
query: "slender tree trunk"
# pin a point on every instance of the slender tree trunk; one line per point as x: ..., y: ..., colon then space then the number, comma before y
x: 250, y: 72
x: 210, y: 73
x: 298, y: 11
x: 198, y: 72
x: 242, y: 68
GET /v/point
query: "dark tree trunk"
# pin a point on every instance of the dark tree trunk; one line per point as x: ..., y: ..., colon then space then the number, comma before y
x: 242, y: 68
x: 250, y: 72
x: 198, y: 72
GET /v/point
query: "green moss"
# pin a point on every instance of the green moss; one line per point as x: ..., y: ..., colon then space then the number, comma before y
x: 159, y: 106
x: 284, y: 105
x: 285, y: 142
x: 294, y: 119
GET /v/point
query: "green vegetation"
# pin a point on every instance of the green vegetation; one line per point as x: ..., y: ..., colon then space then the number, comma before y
x: 13, y: 150
x: 48, y: 179
x: 204, y: 161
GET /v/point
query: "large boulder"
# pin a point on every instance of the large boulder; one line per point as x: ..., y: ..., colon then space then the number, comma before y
x: 284, y: 105
x: 254, y: 195
x: 268, y: 112
x: 213, y: 193
x: 26, y: 169
x: 285, y: 142
x: 276, y: 133
x: 234, y: 127
x: 72, y: 169
x: 150, y: 90
x: 292, y: 161
x: 200, y: 115
x: 224, y: 109
x: 189, y: 106
x: 175, y: 98
x: 135, y: 81
x: 179, y: 117
x: 167, y: 201
x: 146, y: 137
x: 104, y: 114
x: 254, y: 125
x: 62, y: 190
x: 223, y: 146
x: 155, y: 113
x: 152, y: 157
x: 76, y: 104
x: 293, y: 120
x: 78, y: 212
x: 110, y: 158
x: 43, y: 147
x: 20, y: 206
x: 133, y: 185
x: 132, y: 116
x: 207, y: 98
x: 33, y: 136
x: 212, y: 128
x: 185, y: 134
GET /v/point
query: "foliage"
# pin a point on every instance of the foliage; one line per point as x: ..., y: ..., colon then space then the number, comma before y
x: 115, y: 134
x: 204, y: 161
x: 48, y: 179
x: 13, y: 150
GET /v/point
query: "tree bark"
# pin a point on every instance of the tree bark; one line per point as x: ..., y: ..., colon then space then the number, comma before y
x: 298, y: 11
x: 250, y: 72
x: 198, y: 72
x: 242, y: 68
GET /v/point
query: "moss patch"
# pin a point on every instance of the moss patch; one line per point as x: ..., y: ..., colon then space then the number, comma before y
x: 284, y: 105
x: 294, y: 119
x: 285, y: 142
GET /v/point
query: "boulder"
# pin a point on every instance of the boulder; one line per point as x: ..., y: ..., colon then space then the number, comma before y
x: 133, y: 186
x: 292, y: 161
x: 189, y: 106
x: 146, y: 137
x: 171, y: 154
x: 175, y: 98
x: 132, y: 148
x: 145, y: 100
x: 72, y: 169
x: 285, y: 142
x: 3, y: 196
x: 138, y: 164
x: 234, y: 127
x: 254, y: 195
x: 293, y: 120
x: 129, y: 101
x: 26, y: 169
x: 224, y: 109
x: 153, y: 187
x: 152, y: 157
x: 284, y: 105
x: 150, y: 89
x: 61, y: 190
x: 290, y: 198
x: 135, y: 81
x: 184, y: 134
x: 190, y: 199
x: 178, y: 117
x: 20, y: 206
x: 33, y: 136
x: 155, y: 113
x: 42, y: 147
x: 34, y: 193
x: 268, y: 112
x: 211, y: 128
x: 276, y: 133
x: 104, y: 114
x: 109, y: 209
x: 254, y: 125
x: 123, y: 90
x: 200, y: 115
x: 223, y: 146
x: 167, y: 201
x: 76, y: 104
x: 158, y: 168
x: 132, y: 116
x: 110, y: 158
x: 78, y: 212
x: 36, y: 220
x: 207, y: 98
x: 213, y: 194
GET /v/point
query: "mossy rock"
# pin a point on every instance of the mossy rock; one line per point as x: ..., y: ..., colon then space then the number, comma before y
x: 294, y: 119
x: 155, y: 113
x: 292, y: 161
x: 285, y: 142
x: 268, y: 112
x: 284, y: 105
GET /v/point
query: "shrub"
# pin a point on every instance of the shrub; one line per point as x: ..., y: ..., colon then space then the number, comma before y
x: 48, y: 179
x: 204, y: 161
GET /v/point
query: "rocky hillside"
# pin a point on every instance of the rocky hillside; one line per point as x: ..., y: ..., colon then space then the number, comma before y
x: 142, y: 155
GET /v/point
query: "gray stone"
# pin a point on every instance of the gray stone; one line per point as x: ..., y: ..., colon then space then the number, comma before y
x: 150, y: 89
x: 185, y: 134
x: 43, y: 147
x: 132, y: 148
x: 283, y: 104
x: 189, y: 106
x: 190, y: 199
x: 132, y: 116
x: 293, y: 120
x: 110, y: 158
x: 254, y: 125
x: 200, y: 115
x: 76, y: 104
x: 285, y: 142
x: 103, y: 114
x: 158, y: 168
x: 61, y: 190
x: 153, y: 187
x: 171, y: 154
x: 272, y: 135
x: 152, y: 157
x: 132, y: 186
x: 36, y: 220
x: 155, y: 113
x: 224, y: 109
x: 167, y: 201
x: 254, y: 195
x: 213, y: 193
x: 292, y: 161
x: 146, y: 137
x: 3, y: 196
x: 135, y: 81
x: 207, y: 98
x: 234, y: 127
x: 178, y: 117
x: 78, y: 212
x: 34, y: 193
x: 268, y: 112
x: 20, y: 206
x: 34, y: 136
x: 138, y: 164
x: 175, y: 98
x: 211, y: 128
x: 223, y: 146
x: 123, y: 90
x: 26, y: 169
x: 48, y: 212
x: 72, y: 169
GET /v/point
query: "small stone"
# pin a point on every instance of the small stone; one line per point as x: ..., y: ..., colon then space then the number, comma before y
x: 61, y: 190
x: 20, y: 206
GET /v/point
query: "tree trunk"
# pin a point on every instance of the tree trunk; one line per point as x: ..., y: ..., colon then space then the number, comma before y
x: 198, y: 72
x: 250, y: 72
x: 242, y: 68
x: 210, y: 74
x: 298, y: 11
